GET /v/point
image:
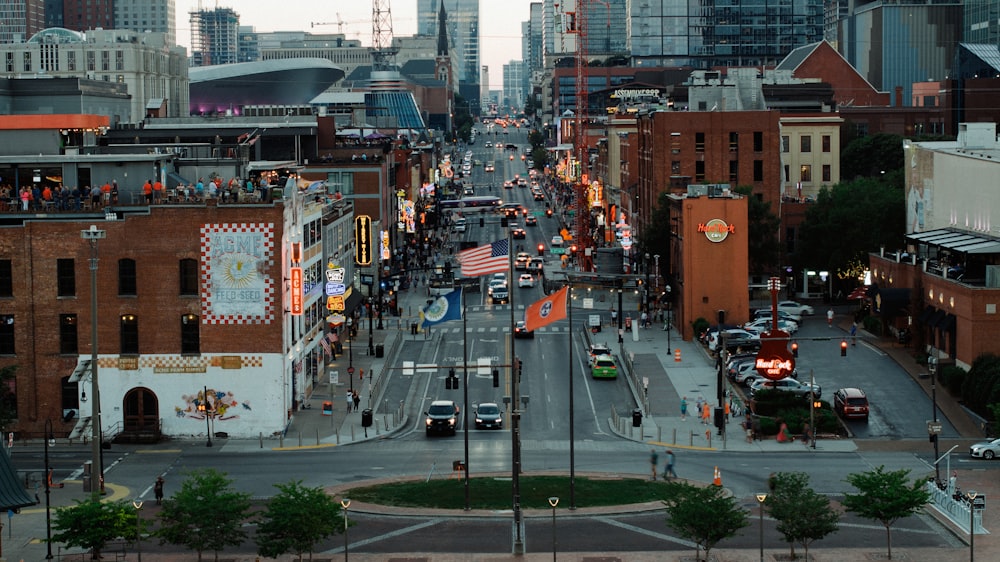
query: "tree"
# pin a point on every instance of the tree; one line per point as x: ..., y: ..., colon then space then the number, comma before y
x: 703, y: 515
x: 763, y: 225
x: 871, y: 156
x: 296, y: 519
x: 91, y: 524
x: 803, y: 515
x: 206, y: 514
x: 885, y: 497
x: 848, y: 221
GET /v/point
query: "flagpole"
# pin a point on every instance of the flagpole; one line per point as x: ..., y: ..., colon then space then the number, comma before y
x: 572, y: 441
x: 465, y: 392
x: 515, y: 418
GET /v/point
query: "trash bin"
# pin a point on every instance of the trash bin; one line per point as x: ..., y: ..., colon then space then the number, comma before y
x: 379, y: 350
x: 637, y: 418
x: 366, y: 417
x: 87, y: 466
x: 327, y: 408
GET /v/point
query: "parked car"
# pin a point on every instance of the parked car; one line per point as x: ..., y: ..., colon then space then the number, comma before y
x: 787, y: 384
x: 442, y: 417
x: 744, y: 372
x: 521, y: 330
x: 782, y: 315
x: 734, y: 336
x: 488, y: 416
x: 604, y: 367
x: 988, y: 450
x: 851, y: 403
x: 762, y: 325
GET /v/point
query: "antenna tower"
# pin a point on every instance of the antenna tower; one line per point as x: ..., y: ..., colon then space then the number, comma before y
x: 383, y: 52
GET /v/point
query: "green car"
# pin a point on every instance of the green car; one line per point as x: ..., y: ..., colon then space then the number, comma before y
x: 604, y: 367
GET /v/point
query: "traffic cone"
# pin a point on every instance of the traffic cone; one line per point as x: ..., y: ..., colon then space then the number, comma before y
x: 717, y: 479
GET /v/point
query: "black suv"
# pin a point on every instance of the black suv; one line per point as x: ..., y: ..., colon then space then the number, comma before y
x: 442, y: 417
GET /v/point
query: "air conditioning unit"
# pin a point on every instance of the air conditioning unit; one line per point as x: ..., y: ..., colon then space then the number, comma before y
x: 697, y: 190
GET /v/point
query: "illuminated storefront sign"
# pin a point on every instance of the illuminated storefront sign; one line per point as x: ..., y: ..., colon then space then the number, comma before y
x: 296, y: 291
x: 716, y: 230
x: 363, y: 240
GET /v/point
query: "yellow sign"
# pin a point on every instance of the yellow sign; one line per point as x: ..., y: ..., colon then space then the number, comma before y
x: 335, y: 303
x: 363, y: 240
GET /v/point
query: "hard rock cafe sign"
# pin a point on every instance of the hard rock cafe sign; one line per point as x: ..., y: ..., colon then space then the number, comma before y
x: 774, y: 361
x: 716, y: 230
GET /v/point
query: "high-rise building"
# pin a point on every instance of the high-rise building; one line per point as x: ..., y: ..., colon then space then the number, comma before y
x: 214, y: 37
x: 463, y: 35
x: 20, y: 19
x: 146, y: 15
x: 980, y: 22
x: 84, y: 16
x: 534, y: 56
x: 513, y: 85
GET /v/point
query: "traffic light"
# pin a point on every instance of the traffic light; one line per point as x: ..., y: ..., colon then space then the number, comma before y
x: 843, y: 348
x: 496, y: 378
x: 453, y: 378
x: 447, y: 382
x: 541, y: 249
x: 795, y: 349
x: 548, y: 213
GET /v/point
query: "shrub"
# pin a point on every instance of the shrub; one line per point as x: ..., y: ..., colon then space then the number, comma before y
x: 699, y: 326
x: 873, y: 325
x: 952, y: 378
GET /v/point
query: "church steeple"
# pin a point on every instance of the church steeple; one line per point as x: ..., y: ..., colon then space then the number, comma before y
x: 442, y: 50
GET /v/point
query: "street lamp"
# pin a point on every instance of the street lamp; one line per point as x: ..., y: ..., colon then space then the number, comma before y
x: 137, y: 504
x: 48, y: 485
x: 972, y: 525
x: 932, y: 363
x: 350, y: 348
x: 760, y: 501
x: 345, y: 503
x: 92, y: 235
x: 553, y: 501
x: 204, y: 408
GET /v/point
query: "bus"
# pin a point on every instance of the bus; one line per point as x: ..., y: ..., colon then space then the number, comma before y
x: 479, y: 203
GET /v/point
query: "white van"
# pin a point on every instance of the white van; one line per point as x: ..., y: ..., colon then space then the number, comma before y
x: 458, y: 225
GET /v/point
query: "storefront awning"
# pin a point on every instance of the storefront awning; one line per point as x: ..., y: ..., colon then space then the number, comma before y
x: 936, y: 319
x: 888, y: 302
x: 957, y: 241
x: 948, y: 324
x: 926, y: 314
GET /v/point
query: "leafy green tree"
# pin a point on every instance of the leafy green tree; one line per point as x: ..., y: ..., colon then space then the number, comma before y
x: 296, y: 519
x: 206, y: 514
x: 704, y: 515
x: 885, y: 496
x: 91, y: 524
x: 762, y: 233
x: 871, y: 156
x: 981, y: 385
x: 803, y: 515
x: 848, y: 221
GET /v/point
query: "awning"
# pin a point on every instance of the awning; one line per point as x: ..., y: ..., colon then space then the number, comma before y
x: 888, y: 302
x: 354, y: 299
x: 957, y: 241
x: 948, y: 325
x: 936, y: 319
x: 257, y: 165
x: 12, y: 492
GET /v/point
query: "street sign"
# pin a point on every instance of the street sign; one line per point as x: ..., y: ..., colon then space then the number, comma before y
x: 934, y: 428
x: 558, y: 251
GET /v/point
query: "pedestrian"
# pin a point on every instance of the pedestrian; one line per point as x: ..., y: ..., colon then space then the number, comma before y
x: 783, y: 436
x: 614, y: 316
x: 727, y: 410
x: 684, y: 408
x: 350, y: 400
x: 668, y: 471
x: 644, y: 320
x: 706, y: 413
x: 806, y: 433
x: 653, y: 460
x: 357, y: 400
x: 854, y: 333
x: 748, y: 427
x: 158, y: 490
x: 829, y: 318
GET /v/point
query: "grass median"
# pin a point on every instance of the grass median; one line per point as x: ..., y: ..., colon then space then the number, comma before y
x: 494, y: 493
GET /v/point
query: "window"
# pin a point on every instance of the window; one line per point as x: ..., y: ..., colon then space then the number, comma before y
x: 119, y: 60
x: 699, y: 171
x: 758, y: 170
x: 826, y: 143
x: 6, y: 334
x: 91, y: 61
x: 65, y: 278
x: 126, y: 278
x: 758, y: 141
x: 784, y: 143
x: 189, y: 277
x: 826, y: 172
x: 699, y: 142
x: 71, y: 60
x: 734, y: 170
x: 805, y: 143
x: 790, y: 240
x: 129, y: 335
x: 69, y: 343
x: 6, y: 278
x: 190, y: 335
x: 734, y: 142
x: 26, y: 61
x: 805, y: 173
x: 788, y: 175
x: 675, y: 167
x: 105, y: 61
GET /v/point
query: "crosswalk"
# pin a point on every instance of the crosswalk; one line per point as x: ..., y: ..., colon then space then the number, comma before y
x: 498, y: 330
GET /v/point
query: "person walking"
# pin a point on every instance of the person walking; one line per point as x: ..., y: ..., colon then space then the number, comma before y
x: 668, y: 470
x: 854, y: 333
x: 357, y: 400
x: 349, y: 396
x: 684, y: 408
x: 158, y: 490
x: 706, y: 414
x: 829, y: 318
x: 748, y: 428
x: 653, y: 460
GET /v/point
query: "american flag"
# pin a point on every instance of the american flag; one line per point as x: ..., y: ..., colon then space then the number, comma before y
x: 326, y: 346
x: 491, y: 258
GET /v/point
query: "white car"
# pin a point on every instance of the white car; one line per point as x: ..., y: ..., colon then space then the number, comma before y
x: 525, y: 280
x: 795, y: 308
x: 787, y: 384
x: 762, y: 325
x: 557, y: 241
x: 733, y: 334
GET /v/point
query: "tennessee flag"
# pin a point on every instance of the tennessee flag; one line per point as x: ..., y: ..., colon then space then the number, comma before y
x: 546, y: 311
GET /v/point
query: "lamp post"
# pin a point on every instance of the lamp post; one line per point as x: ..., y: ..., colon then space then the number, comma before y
x: 48, y: 485
x: 932, y: 363
x: 972, y: 525
x: 92, y: 235
x: 345, y: 503
x: 350, y: 338
x: 204, y: 408
x: 646, y: 267
x: 554, y: 501
x: 137, y: 504
x: 760, y: 502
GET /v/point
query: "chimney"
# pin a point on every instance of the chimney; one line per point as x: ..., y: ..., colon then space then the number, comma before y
x: 899, y: 96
